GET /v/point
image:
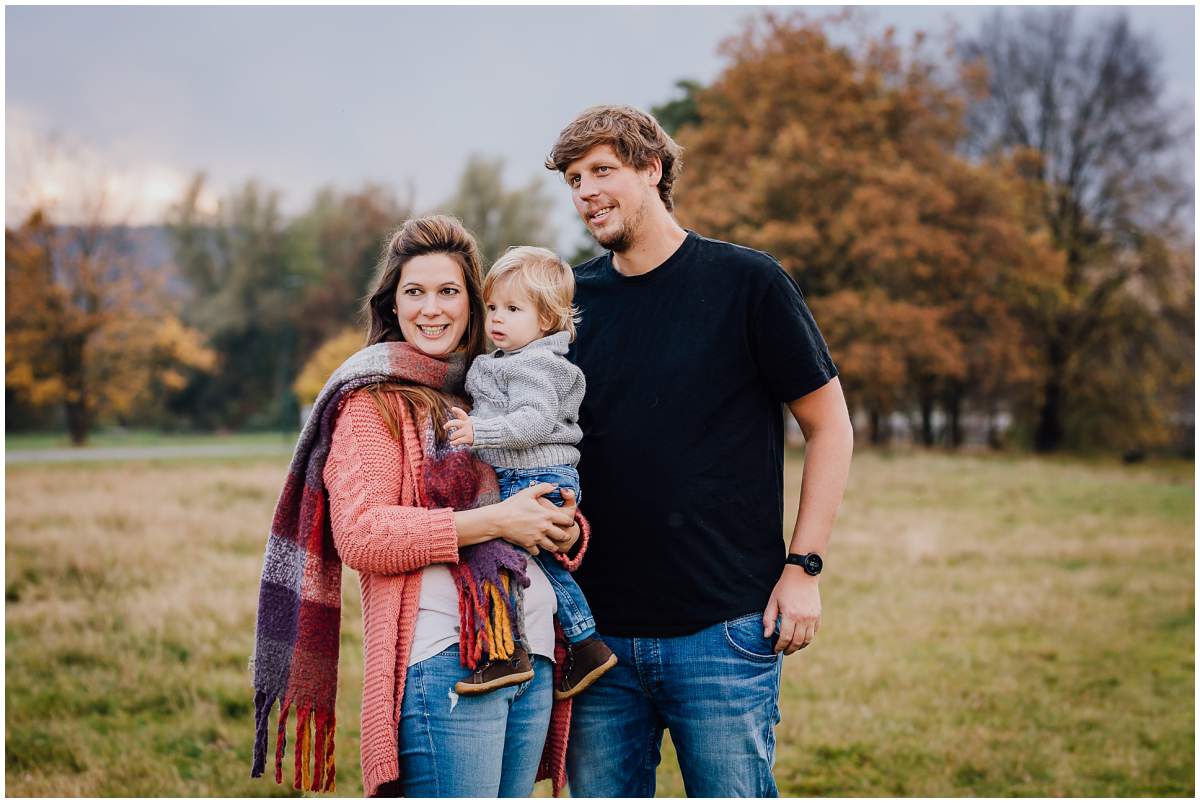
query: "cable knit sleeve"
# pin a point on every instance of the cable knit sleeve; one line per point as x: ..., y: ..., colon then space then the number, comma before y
x: 533, y: 400
x: 364, y: 475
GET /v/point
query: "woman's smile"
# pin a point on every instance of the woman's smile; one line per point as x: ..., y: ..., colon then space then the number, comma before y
x: 431, y: 303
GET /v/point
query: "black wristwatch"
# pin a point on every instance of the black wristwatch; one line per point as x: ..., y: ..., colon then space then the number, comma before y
x: 811, y: 563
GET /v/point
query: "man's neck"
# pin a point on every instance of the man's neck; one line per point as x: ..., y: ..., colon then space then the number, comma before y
x: 659, y: 239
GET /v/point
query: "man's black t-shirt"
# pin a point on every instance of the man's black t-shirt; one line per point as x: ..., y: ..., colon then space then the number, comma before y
x: 682, y: 452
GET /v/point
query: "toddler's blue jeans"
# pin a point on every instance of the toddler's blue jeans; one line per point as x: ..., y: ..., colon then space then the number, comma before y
x: 574, y: 613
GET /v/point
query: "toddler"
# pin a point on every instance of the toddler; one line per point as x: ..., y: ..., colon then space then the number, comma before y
x: 525, y: 424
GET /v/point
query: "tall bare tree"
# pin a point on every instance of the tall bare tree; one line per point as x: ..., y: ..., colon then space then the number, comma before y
x: 1083, y: 115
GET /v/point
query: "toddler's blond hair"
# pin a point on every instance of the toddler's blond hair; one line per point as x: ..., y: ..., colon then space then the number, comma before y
x: 546, y: 278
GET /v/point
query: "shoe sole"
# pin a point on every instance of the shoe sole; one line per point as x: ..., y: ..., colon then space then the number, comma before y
x: 470, y: 689
x: 588, y: 680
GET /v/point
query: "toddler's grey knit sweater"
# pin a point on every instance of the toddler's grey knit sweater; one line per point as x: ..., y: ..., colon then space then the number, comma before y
x: 527, y: 401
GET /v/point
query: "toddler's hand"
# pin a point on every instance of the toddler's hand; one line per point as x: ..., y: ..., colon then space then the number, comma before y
x: 460, y: 429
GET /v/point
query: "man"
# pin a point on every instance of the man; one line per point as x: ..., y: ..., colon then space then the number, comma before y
x: 690, y: 346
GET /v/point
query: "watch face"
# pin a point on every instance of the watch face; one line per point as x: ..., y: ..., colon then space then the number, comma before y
x: 813, y: 564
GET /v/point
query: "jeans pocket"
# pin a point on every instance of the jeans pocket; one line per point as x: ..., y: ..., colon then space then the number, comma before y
x: 744, y: 635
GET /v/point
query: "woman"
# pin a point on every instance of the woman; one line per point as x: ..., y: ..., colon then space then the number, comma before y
x: 417, y: 519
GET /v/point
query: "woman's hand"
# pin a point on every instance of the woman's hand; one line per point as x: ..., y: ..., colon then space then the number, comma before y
x: 533, y: 523
x: 572, y: 532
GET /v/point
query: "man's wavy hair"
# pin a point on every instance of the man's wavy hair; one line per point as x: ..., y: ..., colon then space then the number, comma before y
x: 634, y: 135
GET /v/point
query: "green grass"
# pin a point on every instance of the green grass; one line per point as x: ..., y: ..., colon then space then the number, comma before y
x: 993, y: 626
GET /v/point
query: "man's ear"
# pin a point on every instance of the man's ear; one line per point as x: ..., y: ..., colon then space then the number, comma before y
x: 653, y: 171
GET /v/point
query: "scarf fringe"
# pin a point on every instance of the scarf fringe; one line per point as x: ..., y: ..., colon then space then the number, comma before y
x: 313, y: 756
x: 263, y: 702
x: 313, y: 753
x: 486, y: 617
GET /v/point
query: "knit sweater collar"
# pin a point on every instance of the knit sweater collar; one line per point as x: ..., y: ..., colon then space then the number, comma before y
x: 557, y: 343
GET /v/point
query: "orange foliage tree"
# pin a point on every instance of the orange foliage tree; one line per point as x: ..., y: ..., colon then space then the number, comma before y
x: 840, y: 160
x: 88, y: 328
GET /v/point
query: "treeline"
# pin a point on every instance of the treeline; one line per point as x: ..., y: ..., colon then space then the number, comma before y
x: 1007, y: 237
x: 97, y: 337
x: 997, y: 235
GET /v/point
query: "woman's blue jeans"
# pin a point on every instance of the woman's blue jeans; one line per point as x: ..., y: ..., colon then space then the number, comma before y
x: 486, y: 745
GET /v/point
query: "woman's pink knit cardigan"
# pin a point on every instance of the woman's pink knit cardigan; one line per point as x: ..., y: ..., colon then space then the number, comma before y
x: 383, y: 533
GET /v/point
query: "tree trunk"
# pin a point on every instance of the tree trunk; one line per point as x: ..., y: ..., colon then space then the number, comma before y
x: 954, y: 433
x: 76, y: 401
x: 881, y: 428
x: 1049, y: 433
x: 77, y: 422
x: 927, y: 436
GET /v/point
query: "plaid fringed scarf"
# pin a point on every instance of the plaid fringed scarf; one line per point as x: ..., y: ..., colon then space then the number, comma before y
x: 299, y: 605
x: 489, y: 601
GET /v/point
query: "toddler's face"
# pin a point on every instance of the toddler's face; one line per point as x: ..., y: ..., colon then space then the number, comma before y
x: 512, y: 321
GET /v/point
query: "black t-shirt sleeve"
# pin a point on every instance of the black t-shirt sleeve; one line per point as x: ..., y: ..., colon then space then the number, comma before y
x: 788, y: 347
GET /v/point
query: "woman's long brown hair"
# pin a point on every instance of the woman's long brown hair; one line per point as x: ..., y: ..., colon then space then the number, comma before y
x: 434, y: 234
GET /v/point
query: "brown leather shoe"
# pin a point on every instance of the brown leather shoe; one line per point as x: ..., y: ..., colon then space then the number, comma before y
x: 586, y: 662
x: 497, y: 674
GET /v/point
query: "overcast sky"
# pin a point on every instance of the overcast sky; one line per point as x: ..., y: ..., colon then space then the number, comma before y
x: 299, y: 97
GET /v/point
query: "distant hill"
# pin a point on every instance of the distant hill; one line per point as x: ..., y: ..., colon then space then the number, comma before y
x: 151, y: 245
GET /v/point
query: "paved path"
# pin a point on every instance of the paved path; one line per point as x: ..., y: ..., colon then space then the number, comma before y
x: 110, y: 453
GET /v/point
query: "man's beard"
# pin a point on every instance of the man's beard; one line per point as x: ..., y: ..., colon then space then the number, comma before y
x: 623, y: 238
x: 619, y: 240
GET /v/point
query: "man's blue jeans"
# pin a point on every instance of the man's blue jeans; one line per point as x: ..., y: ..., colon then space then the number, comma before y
x: 716, y: 690
x: 486, y: 745
x: 574, y: 613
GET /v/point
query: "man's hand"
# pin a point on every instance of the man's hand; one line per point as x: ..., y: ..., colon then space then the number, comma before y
x: 798, y: 601
x: 462, y: 433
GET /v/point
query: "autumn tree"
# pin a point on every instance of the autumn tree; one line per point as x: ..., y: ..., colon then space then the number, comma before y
x: 90, y: 329
x: 1083, y: 115
x: 500, y: 217
x: 324, y: 361
x: 840, y: 161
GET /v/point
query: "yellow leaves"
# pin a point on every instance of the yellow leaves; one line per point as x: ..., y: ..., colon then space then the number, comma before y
x: 40, y: 391
x: 178, y: 343
x: 85, y: 324
x: 324, y: 361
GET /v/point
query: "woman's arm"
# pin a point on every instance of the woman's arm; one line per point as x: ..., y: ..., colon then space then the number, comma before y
x: 363, y: 476
x: 524, y: 519
x: 373, y: 533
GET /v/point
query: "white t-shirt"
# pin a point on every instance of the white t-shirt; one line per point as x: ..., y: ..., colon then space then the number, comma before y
x: 438, y: 619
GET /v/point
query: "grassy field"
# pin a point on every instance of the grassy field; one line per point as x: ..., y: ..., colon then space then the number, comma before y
x: 992, y: 626
x: 120, y: 438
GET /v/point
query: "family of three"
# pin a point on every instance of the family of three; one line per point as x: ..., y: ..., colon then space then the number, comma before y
x: 506, y: 637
